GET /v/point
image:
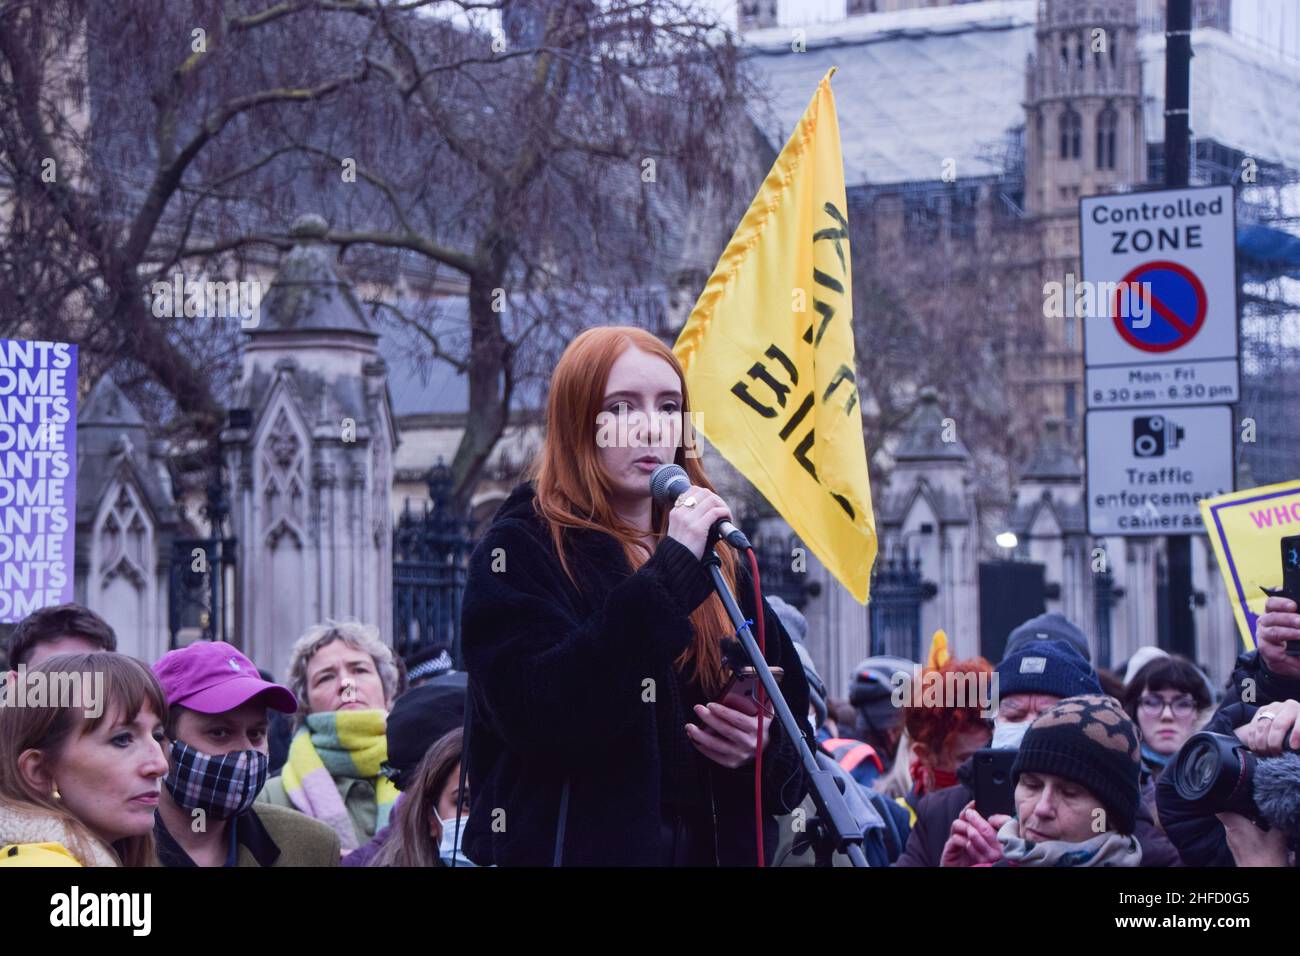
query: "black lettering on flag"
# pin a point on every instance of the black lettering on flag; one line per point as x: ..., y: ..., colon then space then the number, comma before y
x: 830, y: 282
x: 775, y: 353
x: 801, y: 456
x: 741, y: 391
x: 827, y: 312
x: 758, y: 371
x: 837, y: 236
x: 842, y: 373
x: 797, y: 417
x: 801, y: 452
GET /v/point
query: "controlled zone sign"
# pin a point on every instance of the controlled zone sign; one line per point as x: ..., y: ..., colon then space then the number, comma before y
x: 1149, y: 469
x: 1160, y: 268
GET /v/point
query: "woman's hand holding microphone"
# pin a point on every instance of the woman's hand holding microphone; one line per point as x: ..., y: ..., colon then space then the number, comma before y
x: 692, y: 518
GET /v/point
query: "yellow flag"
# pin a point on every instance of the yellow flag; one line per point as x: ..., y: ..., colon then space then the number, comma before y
x: 768, y: 352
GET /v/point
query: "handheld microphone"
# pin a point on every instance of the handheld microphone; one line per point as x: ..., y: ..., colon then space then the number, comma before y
x: 669, y: 482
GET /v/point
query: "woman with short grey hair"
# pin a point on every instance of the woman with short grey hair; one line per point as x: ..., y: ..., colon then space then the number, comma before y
x: 345, y: 679
x: 327, y: 690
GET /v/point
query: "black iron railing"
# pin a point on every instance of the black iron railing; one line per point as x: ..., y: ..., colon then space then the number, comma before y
x: 198, y: 570
x: 430, y: 548
x: 897, y: 591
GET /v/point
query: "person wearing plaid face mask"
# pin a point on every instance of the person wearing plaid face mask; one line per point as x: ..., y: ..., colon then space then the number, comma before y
x: 217, y: 763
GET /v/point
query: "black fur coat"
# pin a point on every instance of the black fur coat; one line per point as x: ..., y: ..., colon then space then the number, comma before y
x: 557, y: 688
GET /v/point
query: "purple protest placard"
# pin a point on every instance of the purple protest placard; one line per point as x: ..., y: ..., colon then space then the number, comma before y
x: 38, y: 474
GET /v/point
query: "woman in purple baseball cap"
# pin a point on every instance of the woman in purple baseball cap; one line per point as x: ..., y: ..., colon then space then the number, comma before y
x: 217, y: 757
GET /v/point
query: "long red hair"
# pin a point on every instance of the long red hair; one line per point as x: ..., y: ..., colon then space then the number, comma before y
x: 573, y: 490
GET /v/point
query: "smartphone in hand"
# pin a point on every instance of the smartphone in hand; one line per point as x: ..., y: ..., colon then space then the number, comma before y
x: 994, y: 792
x: 741, y: 692
x: 1290, y: 588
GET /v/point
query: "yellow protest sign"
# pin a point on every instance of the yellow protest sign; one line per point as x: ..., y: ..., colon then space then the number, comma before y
x: 1246, y: 529
x: 768, y: 352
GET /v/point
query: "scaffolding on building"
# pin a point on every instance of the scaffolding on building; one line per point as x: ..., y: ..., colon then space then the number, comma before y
x: 1270, y: 328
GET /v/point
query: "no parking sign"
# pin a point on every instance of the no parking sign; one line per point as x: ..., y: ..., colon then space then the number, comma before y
x: 1162, y: 270
x: 1159, y: 307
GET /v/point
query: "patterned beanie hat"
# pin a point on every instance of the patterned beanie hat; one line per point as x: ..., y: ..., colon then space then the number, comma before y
x: 1090, y: 741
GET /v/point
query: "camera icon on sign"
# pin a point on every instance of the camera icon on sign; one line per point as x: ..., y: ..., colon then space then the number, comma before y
x: 1153, y: 435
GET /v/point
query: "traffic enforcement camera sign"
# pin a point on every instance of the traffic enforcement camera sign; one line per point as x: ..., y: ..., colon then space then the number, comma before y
x: 1160, y: 281
x: 1149, y: 468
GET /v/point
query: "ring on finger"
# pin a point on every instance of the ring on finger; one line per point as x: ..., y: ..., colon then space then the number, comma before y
x: 686, y: 502
x: 1265, y: 715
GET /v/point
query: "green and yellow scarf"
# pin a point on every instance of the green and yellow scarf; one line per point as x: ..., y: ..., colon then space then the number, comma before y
x: 334, y: 744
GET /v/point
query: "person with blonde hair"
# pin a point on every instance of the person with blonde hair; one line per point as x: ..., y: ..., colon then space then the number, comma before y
x: 80, y: 779
x: 597, y: 651
x: 344, y: 678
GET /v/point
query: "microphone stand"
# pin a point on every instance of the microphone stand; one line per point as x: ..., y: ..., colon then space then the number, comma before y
x: 837, y: 830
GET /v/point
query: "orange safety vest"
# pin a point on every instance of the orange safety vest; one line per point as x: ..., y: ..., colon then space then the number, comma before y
x: 848, y: 753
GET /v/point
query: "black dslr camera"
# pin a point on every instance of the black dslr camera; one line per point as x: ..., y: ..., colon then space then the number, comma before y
x: 1216, y: 773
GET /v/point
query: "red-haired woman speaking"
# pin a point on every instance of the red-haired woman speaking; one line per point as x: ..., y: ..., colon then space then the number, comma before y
x: 594, y: 643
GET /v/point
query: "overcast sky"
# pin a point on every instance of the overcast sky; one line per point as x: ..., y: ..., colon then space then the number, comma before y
x: 1273, y: 24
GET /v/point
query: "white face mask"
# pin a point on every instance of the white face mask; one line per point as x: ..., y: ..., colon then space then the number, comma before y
x: 1007, y: 736
x: 450, y: 845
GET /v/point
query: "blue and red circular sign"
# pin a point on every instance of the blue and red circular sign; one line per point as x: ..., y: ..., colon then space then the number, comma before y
x: 1172, y: 300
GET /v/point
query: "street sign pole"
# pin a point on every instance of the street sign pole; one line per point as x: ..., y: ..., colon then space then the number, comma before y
x: 1178, y: 58
x: 1178, y: 62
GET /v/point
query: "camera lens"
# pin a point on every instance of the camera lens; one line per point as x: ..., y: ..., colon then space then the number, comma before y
x: 1201, y: 767
x: 1215, y: 772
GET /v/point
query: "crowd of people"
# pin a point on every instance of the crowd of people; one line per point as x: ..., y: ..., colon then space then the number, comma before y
x: 172, y: 766
x: 602, y: 713
x: 175, y: 770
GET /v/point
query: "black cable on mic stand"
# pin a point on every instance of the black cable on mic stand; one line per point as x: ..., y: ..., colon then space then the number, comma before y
x: 837, y: 830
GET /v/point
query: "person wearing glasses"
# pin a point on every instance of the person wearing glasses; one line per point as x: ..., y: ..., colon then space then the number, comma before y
x: 1168, y: 699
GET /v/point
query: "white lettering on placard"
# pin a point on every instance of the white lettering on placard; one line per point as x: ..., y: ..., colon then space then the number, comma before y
x: 38, y: 388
